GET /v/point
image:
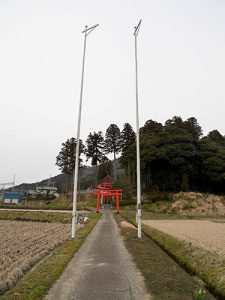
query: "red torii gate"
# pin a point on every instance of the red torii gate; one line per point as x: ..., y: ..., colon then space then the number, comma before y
x: 104, y: 191
x: 106, y: 183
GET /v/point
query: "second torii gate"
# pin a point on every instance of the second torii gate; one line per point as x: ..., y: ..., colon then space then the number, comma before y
x: 103, y: 193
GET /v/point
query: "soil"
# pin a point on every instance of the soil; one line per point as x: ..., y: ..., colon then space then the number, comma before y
x: 126, y: 224
x: 206, y: 234
x: 192, y: 203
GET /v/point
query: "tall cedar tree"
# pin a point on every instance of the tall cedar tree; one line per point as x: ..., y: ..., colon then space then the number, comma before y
x: 104, y: 168
x: 113, y: 143
x: 128, y: 136
x: 67, y: 156
x: 151, y: 127
x: 168, y: 152
x: 94, y: 151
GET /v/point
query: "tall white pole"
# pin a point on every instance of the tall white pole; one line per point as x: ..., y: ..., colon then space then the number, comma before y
x: 138, y: 213
x: 14, y: 179
x: 86, y: 32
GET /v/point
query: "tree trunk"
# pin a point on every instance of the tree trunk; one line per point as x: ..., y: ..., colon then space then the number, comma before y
x: 96, y: 176
x: 128, y: 170
x: 66, y: 185
x: 114, y: 166
x: 133, y: 174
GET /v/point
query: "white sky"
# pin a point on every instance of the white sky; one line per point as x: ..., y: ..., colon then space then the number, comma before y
x: 181, y: 72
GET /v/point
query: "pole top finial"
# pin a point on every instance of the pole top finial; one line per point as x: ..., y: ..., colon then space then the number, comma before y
x: 88, y: 30
x: 136, y: 28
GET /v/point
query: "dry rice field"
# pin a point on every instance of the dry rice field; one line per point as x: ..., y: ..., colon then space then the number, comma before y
x: 23, y: 244
x: 209, y: 235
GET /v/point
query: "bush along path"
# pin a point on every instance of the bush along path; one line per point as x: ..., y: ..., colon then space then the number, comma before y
x: 163, y: 276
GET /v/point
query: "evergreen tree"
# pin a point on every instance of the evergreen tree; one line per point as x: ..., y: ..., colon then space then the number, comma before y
x: 217, y: 137
x: 192, y: 126
x: 67, y: 156
x: 184, y: 183
x: 212, y: 171
x: 128, y: 137
x: 113, y: 143
x: 104, y: 168
x: 151, y: 127
x: 94, y: 151
x: 166, y: 154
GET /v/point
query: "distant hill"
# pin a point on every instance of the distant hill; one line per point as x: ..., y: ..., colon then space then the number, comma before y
x: 64, y: 182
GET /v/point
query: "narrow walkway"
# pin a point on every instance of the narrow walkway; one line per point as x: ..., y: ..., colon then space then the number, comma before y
x: 102, y: 269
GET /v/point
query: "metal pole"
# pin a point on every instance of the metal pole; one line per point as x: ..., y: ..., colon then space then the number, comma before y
x: 86, y: 32
x: 14, y: 179
x: 138, y: 213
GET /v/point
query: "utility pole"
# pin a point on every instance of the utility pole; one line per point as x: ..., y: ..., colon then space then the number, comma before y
x: 138, y: 212
x: 14, y: 180
x: 86, y: 32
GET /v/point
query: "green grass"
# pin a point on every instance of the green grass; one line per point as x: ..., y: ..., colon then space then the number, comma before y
x: 59, y: 203
x: 155, y: 207
x: 36, y: 283
x: 168, y: 216
x: 208, y: 266
x: 87, y: 204
x: 39, y: 216
x: 164, y: 278
x: 36, y: 216
x: 56, y: 204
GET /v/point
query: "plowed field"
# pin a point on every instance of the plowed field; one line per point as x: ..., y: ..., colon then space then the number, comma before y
x: 23, y: 244
x: 209, y: 235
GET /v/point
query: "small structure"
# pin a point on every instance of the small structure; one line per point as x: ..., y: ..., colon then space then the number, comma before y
x: 47, y: 191
x: 105, y: 193
x: 106, y: 183
x: 32, y: 193
x: 12, y: 198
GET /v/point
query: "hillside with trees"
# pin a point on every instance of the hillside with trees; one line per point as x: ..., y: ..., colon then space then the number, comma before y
x: 175, y: 156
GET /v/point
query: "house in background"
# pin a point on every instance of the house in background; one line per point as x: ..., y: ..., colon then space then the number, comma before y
x: 12, y: 198
x: 32, y: 193
x: 48, y: 191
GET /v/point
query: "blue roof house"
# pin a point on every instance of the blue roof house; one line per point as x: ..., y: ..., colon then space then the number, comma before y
x: 12, y: 198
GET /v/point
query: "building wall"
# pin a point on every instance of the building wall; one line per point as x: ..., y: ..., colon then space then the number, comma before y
x: 12, y: 198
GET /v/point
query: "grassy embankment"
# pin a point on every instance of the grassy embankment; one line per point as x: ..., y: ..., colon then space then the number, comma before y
x: 36, y: 216
x: 188, y: 204
x: 35, y: 284
x: 208, y: 266
x: 164, y: 278
x: 56, y: 204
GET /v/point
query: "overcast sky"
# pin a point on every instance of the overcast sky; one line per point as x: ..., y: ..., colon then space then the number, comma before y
x: 181, y: 72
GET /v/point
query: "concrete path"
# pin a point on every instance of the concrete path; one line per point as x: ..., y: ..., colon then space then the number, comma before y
x: 102, y: 269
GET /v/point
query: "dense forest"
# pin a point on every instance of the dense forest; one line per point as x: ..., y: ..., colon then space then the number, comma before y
x: 175, y: 156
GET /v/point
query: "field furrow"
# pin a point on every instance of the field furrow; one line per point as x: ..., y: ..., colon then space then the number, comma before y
x: 23, y: 244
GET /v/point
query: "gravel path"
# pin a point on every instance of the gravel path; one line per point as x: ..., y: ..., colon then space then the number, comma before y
x: 102, y: 269
x: 206, y: 234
